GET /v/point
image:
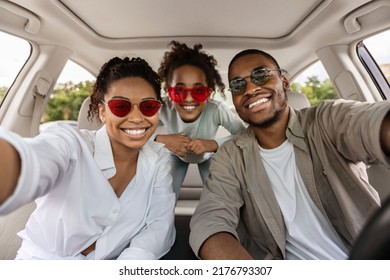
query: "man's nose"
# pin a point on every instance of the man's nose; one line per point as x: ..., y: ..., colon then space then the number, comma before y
x: 250, y: 86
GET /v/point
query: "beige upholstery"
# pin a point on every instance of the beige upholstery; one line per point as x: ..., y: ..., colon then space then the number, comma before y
x: 82, y: 119
x: 10, y: 225
x: 297, y: 100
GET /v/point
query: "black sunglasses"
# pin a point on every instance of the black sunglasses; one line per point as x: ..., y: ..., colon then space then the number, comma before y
x: 259, y: 76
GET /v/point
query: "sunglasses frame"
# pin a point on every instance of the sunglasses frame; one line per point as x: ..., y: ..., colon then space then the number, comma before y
x: 173, y: 95
x: 265, y: 78
x: 132, y: 105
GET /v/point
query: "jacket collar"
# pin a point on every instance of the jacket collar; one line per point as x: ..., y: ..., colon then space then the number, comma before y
x: 294, y: 133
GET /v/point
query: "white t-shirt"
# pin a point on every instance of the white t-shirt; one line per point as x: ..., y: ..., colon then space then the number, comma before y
x: 76, y: 205
x: 309, y: 235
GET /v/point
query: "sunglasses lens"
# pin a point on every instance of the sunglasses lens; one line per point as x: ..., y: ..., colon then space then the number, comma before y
x: 119, y: 107
x: 177, y: 94
x: 149, y: 107
x: 260, y: 76
x: 237, y: 85
x: 200, y: 93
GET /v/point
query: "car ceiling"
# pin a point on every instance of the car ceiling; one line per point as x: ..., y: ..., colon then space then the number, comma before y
x: 177, y: 18
x: 96, y: 30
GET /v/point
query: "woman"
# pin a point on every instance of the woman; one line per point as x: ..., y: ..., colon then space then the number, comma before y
x: 100, y: 194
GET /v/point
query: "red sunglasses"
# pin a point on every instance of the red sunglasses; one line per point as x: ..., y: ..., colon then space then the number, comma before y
x: 179, y: 93
x: 121, y: 107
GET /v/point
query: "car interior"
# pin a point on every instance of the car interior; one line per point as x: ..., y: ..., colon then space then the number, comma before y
x: 297, y: 33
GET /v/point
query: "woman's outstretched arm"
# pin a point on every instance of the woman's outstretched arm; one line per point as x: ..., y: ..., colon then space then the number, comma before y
x: 10, y: 166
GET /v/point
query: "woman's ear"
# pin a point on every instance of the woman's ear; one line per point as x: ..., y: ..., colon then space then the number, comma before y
x: 102, y: 113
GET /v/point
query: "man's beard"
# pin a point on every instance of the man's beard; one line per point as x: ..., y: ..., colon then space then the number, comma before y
x: 271, y: 120
x: 268, y: 122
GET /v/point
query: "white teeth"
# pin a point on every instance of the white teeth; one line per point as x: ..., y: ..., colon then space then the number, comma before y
x: 135, y: 131
x: 262, y: 100
x: 189, y: 107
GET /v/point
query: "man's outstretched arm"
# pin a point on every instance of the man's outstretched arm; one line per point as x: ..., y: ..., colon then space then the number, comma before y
x: 223, y: 246
x: 385, y: 134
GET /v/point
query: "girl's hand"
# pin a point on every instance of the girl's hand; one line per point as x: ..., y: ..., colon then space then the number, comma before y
x: 200, y: 146
x: 176, y: 143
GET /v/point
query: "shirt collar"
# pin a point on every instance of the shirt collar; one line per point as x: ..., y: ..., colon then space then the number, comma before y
x: 103, y: 151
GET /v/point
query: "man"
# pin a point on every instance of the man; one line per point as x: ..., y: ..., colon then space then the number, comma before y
x: 293, y: 185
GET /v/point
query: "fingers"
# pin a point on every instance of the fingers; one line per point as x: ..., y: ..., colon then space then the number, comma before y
x: 177, y: 144
x: 194, y: 147
x: 200, y: 146
x: 182, y: 145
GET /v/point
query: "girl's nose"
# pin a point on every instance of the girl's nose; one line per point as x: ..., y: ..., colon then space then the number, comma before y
x: 189, y: 96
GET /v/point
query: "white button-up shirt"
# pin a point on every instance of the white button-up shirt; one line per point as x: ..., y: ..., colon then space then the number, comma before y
x: 67, y: 172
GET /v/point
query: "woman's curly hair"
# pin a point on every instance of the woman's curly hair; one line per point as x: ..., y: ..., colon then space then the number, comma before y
x: 116, y: 69
x: 180, y: 54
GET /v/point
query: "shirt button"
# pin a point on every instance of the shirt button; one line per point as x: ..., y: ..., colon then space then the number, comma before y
x: 115, y: 211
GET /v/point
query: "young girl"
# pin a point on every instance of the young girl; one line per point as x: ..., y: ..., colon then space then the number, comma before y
x: 190, y: 115
x: 100, y: 194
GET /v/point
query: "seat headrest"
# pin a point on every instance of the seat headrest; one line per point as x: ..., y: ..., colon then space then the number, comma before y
x: 82, y: 120
x: 297, y: 100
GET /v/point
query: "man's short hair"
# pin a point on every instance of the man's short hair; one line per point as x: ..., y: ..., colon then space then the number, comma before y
x: 253, y: 51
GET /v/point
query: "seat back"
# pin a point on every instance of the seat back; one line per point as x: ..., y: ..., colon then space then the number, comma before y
x: 10, y: 225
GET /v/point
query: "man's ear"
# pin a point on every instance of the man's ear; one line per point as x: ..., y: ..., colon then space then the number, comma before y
x: 286, y: 83
x: 102, y: 113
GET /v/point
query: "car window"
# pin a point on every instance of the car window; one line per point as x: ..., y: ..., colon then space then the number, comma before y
x: 14, y: 53
x: 375, y: 56
x: 72, y: 87
x: 314, y: 82
x: 379, y: 47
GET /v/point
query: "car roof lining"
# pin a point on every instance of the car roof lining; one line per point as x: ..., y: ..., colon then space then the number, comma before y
x: 196, y: 22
